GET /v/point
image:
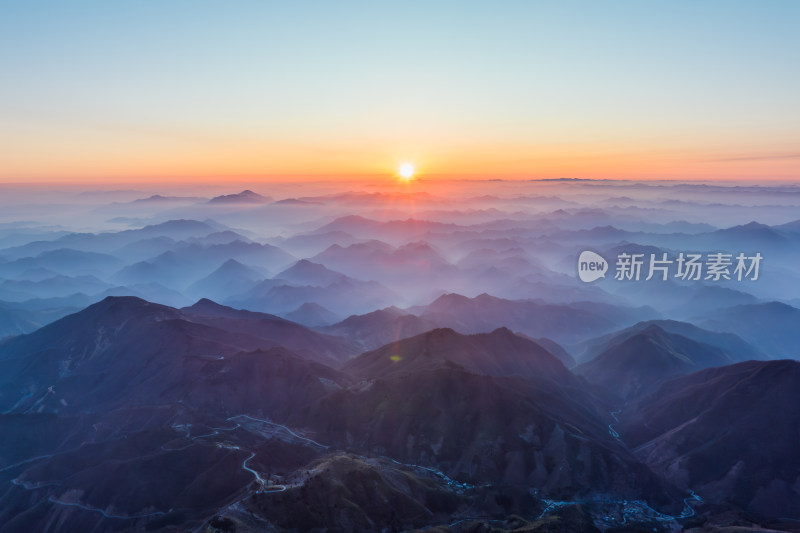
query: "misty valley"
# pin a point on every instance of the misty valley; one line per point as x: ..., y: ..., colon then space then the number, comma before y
x: 474, y: 356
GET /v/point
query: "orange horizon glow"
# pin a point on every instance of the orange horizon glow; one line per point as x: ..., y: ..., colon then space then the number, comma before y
x: 495, y: 162
x: 145, y: 157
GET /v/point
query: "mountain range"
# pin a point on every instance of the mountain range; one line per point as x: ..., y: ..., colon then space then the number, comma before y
x: 396, y: 357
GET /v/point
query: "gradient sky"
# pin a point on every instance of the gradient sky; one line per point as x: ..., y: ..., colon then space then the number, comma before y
x: 147, y: 90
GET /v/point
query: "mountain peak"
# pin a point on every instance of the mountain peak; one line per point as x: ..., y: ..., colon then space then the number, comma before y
x: 503, y: 332
x: 245, y: 197
x: 179, y: 224
x: 119, y: 299
x: 204, y: 302
x: 230, y: 263
x: 234, y: 267
x: 308, y: 272
x: 111, y: 312
x: 639, y: 363
x: 451, y: 298
x: 754, y: 224
x: 653, y: 330
x: 500, y: 353
x: 206, y: 305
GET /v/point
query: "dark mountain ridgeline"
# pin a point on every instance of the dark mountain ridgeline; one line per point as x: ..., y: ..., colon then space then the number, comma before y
x: 499, y: 353
x: 244, y: 197
x: 140, y: 377
x: 566, y: 323
x: 636, y: 365
x: 737, y: 349
x: 730, y: 433
x: 380, y: 327
x: 312, y: 345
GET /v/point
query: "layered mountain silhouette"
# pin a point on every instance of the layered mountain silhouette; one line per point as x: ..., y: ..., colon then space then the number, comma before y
x: 395, y: 230
x: 127, y: 388
x: 177, y: 230
x: 63, y: 261
x: 737, y: 348
x: 380, y: 327
x: 244, y: 197
x: 305, y: 272
x: 307, y: 245
x: 639, y: 363
x: 561, y: 322
x: 312, y: 315
x: 15, y: 321
x: 232, y: 277
x: 125, y: 351
x: 499, y: 353
x: 770, y: 326
x: 388, y: 360
x: 345, y: 294
x: 312, y: 345
x: 179, y: 268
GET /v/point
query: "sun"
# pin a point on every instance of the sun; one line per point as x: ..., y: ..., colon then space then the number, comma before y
x: 406, y: 171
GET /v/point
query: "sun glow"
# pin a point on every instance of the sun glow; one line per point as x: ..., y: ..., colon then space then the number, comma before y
x: 406, y: 171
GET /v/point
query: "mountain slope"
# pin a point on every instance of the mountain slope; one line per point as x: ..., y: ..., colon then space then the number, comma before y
x: 563, y: 323
x: 326, y: 349
x: 738, y: 349
x: 485, y: 429
x: 152, y: 421
x: 304, y: 272
x: 639, y: 363
x: 244, y: 197
x: 499, y: 353
x: 380, y: 327
x: 729, y: 433
x: 312, y: 315
x: 15, y: 321
x: 771, y: 326
x: 116, y: 352
x: 231, y: 278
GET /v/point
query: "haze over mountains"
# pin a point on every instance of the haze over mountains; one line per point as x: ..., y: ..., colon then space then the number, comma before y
x: 307, y: 357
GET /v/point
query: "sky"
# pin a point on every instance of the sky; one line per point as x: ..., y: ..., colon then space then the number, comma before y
x: 105, y: 91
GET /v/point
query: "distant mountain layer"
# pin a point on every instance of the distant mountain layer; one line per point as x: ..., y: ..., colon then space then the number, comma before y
x: 244, y: 197
x: 232, y: 277
x: 567, y: 323
x: 16, y: 321
x: 773, y: 327
x: 313, y: 315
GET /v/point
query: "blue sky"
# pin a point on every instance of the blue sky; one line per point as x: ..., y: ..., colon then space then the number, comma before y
x: 621, y: 88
